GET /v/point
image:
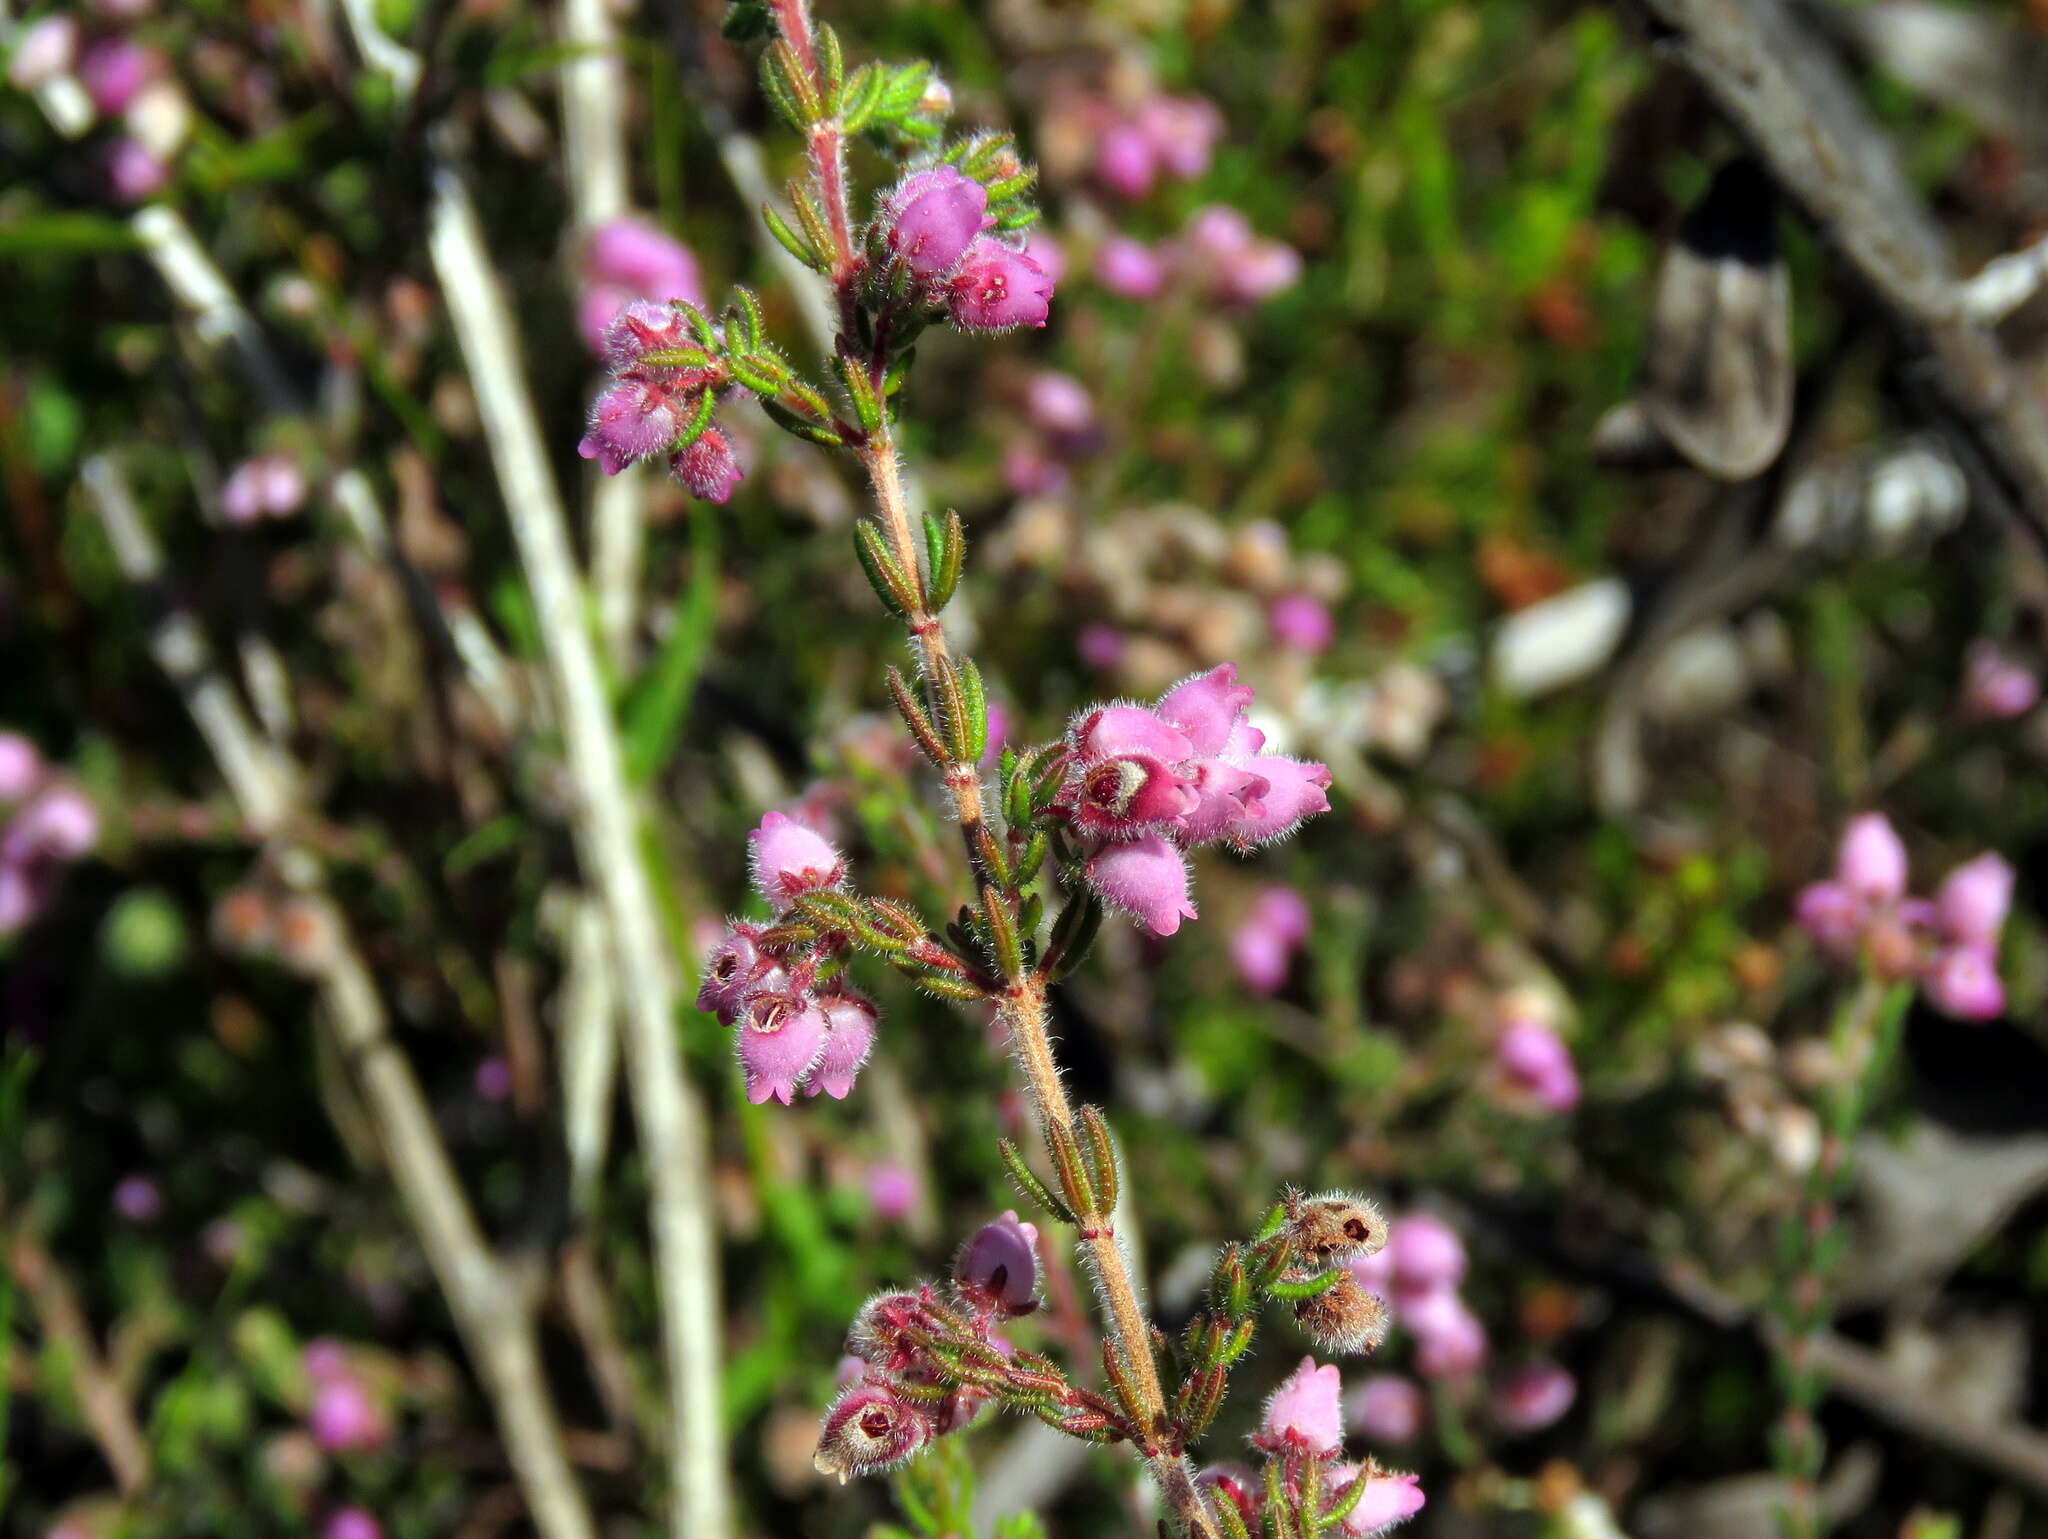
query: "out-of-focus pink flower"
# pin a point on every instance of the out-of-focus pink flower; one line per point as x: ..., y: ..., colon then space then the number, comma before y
x: 351, y: 1523
x: 1533, y: 1397
x: 1974, y: 899
x: 788, y: 860
x: 43, y: 50
x: 1535, y: 1060
x: 1390, y: 1498
x: 1305, y: 1412
x: 269, y: 485
x: 628, y: 259
x: 494, y: 1078
x: 997, y: 287
x: 1235, y: 264
x: 134, y: 173
x: 344, y: 1418
x: 892, y: 1190
x: 1833, y: 916
x: 1450, y: 1343
x: 324, y: 1360
x: 1029, y: 471
x: 1301, y: 622
x: 1265, y: 940
x: 138, y: 1199
x: 1387, y: 1408
x: 1963, y: 981
x: 1183, y: 131
x: 1101, y: 646
x: 1995, y: 688
x: 58, y: 824
x: 114, y: 70
x: 21, y: 767
x: 1126, y: 161
x: 1872, y: 860
x: 1129, y: 269
x: 1048, y: 253
x: 1425, y: 1254
x: 1058, y: 403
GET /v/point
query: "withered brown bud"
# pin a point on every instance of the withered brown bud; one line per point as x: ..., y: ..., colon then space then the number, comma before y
x: 1333, y: 1225
x: 1343, y: 1319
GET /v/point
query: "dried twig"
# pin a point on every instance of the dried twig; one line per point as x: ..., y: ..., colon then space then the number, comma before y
x: 494, y: 1315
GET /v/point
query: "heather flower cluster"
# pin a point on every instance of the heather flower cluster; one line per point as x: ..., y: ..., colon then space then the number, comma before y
x: 799, y: 1027
x: 1159, y: 136
x: 932, y: 235
x: 1949, y: 944
x: 1301, y: 1437
x: 48, y: 824
x: 914, y: 1357
x: 1144, y: 784
x: 666, y: 379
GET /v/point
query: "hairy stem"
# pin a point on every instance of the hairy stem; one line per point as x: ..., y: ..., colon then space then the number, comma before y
x: 1021, y: 1008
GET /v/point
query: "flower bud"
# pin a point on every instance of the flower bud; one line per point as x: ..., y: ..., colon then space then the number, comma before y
x: 1304, y: 1411
x: 1237, y: 1485
x: 1334, y: 1225
x: 1343, y: 1319
x: 930, y: 219
x: 640, y: 328
x: 870, y: 1428
x: 708, y: 468
x: 998, y: 1268
x: 789, y: 859
x: 1388, y: 1408
x: 997, y: 287
x: 1534, y: 1397
x: 1974, y: 900
x: 883, y: 1331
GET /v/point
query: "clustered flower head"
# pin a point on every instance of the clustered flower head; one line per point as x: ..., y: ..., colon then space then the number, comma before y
x: 1301, y: 1437
x: 799, y: 1026
x: 48, y: 824
x: 1162, y: 135
x: 125, y: 81
x: 903, y: 1388
x: 665, y: 384
x: 1144, y: 784
x: 1949, y: 944
x: 934, y: 232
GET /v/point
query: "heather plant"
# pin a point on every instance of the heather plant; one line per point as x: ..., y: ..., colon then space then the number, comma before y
x: 1102, y: 819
